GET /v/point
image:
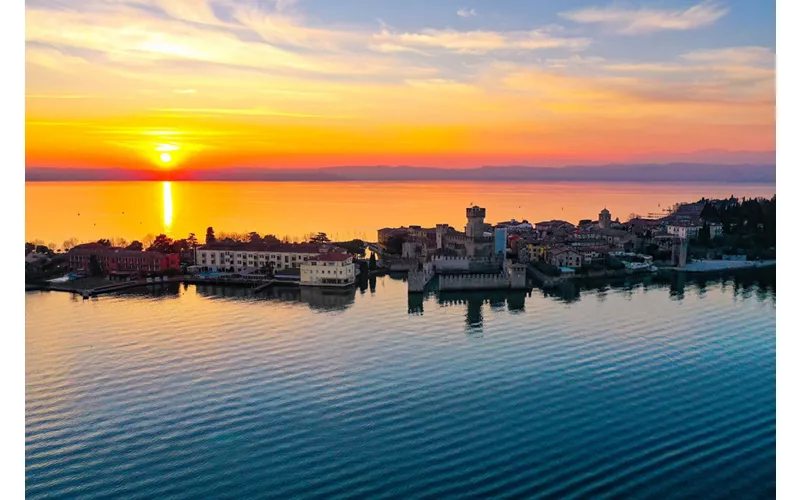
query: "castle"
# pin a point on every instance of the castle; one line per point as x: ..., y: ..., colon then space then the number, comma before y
x: 476, y: 242
x: 469, y: 260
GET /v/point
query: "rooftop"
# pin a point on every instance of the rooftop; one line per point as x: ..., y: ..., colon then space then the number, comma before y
x: 333, y: 257
x: 272, y: 247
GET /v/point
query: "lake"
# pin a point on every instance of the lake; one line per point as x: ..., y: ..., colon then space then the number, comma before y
x: 89, y: 211
x: 639, y: 390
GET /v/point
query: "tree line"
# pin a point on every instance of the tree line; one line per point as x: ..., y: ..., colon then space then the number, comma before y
x: 165, y: 244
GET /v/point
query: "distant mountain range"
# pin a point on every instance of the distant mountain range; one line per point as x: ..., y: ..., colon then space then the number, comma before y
x: 670, y: 172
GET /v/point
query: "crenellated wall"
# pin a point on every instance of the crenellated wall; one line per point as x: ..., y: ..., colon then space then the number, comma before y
x: 474, y: 282
x: 418, y: 279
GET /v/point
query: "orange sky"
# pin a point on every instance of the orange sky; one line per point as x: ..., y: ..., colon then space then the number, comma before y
x: 116, y: 85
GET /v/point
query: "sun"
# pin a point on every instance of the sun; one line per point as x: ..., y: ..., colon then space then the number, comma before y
x: 166, y: 158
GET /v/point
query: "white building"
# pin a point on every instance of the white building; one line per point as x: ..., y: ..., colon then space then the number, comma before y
x: 328, y: 269
x: 684, y: 231
x: 238, y: 257
x: 690, y: 231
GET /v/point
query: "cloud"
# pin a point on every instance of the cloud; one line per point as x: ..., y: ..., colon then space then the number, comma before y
x: 467, y: 13
x: 645, y: 20
x: 479, y: 42
x: 733, y: 55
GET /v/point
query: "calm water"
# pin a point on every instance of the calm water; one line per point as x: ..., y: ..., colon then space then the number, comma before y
x: 344, y: 210
x: 640, y: 391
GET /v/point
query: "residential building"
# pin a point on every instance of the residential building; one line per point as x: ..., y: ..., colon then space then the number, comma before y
x: 115, y: 260
x: 684, y: 230
x: 538, y: 249
x: 555, y: 225
x: 524, y: 254
x: 515, y: 227
x: 563, y: 256
x: 237, y: 257
x: 328, y: 269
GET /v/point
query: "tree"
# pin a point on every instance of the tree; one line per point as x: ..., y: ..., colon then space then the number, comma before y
x: 162, y: 243
x: 210, y: 238
x: 94, y: 266
x: 69, y: 244
x: 135, y: 245
x: 119, y: 242
x: 179, y: 246
x: 29, y: 247
x: 395, y: 244
x: 372, y: 262
x: 270, y: 238
x: 254, y: 237
x: 147, y: 241
x: 704, y: 235
x: 355, y: 247
x: 105, y: 242
x: 192, y: 240
x: 320, y: 238
x: 44, y: 249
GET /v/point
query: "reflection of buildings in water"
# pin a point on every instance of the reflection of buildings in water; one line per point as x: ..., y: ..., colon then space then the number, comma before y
x: 324, y: 299
x: 677, y: 286
x: 328, y: 299
x: 161, y: 290
x: 498, y: 300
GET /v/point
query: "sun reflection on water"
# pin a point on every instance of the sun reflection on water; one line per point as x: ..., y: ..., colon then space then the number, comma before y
x: 167, y: 187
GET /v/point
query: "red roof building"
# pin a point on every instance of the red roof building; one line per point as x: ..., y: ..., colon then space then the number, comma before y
x: 120, y: 260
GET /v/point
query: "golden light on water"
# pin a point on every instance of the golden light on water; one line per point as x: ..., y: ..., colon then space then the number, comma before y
x: 167, y: 200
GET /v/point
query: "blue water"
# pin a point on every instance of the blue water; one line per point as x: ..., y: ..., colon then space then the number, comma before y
x: 637, y: 391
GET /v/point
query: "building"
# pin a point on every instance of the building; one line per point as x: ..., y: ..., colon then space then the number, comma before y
x: 684, y: 230
x: 563, y: 256
x: 500, y: 241
x: 115, y: 260
x: 538, y: 249
x: 515, y: 227
x: 387, y: 233
x: 237, y: 257
x: 524, y: 255
x: 328, y: 269
x: 604, y: 219
x: 552, y: 226
x: 473, y: 243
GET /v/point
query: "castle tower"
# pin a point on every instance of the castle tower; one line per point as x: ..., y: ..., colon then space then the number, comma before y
x: 441, y: 230
x: 475, y: 216
x: 605, y: 218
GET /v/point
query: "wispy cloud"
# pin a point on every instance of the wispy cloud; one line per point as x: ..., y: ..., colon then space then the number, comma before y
x: 480, y: 42
x: 733, y: 55
x: 184, y: 91
x: 646, y: 20
x: 60, y: 96
x: 467, y: 12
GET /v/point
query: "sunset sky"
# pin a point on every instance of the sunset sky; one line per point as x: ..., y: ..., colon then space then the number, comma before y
x: 189, y: 84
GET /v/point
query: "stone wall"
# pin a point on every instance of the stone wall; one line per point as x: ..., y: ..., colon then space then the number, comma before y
x: 417, y: 280
x: 474, y: 282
